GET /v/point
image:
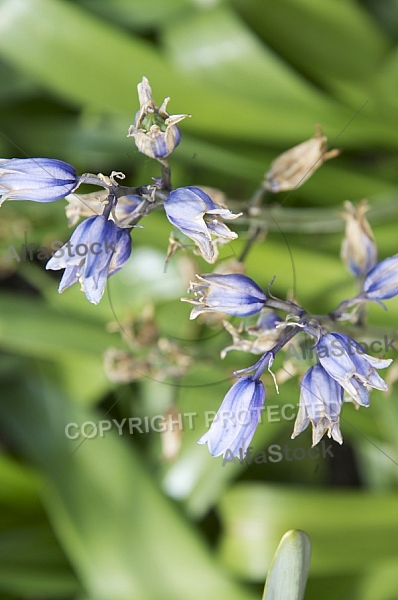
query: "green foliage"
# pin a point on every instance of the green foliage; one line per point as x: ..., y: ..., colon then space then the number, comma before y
x: 111, y: 518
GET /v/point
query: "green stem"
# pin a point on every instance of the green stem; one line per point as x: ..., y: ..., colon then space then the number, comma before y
x: 254, y: 212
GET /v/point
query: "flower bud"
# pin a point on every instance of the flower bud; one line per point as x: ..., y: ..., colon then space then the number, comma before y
x: 292, y: 168
x: 358, y: 249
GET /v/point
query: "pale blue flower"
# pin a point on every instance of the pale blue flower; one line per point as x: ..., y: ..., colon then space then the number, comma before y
x: 237, y: 418
x: 194, y: 213
x: 381, y: 282
x: 36, y: 179
x: 233, y: 294
x: 96, y: 250
x: 321, y: 399
x: 344, y: 360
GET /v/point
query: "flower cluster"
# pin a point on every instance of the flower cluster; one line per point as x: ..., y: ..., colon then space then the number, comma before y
x: 102, y: 241
x: 342, y: 366
x: 102, y: 245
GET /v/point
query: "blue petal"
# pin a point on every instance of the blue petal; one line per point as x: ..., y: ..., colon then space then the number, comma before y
x: 337, y: 362
x: 105, y: 233
x: 381, y: 282
x: 69, y: 278
x: 36, y: 179
x: 66, y: 254
x: 245, y: 399
x: 159, y: 147
x: 233, y: 294
x: 122, y: 253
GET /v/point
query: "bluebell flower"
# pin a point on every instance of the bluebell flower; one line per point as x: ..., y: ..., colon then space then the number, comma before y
x: 381, y: 283
x: 155, y: 132
x: 237, y: 418
x: 233, y: 294
x: 96, y: 250
x: 321, y: 399
x: 36, y: 179
x: 344, y: 360
x: 358, y: 249
x: 194, y: 213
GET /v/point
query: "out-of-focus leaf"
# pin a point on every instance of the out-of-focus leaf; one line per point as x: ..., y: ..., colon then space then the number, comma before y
x: 140, y: 13
x: 386, y: 13
x: 18, y: 484
x: 288, y: 573
x: 358, y: 54
x: 344, y: 538
x: 233, y: 56
x: 385, y: 83
x: 15, y: 87
x: 122, y: 537
x: 30, y: 327
x: 44, y: 38
x: 31, y: 561
x: 381, y: 582
x: 32, y: 564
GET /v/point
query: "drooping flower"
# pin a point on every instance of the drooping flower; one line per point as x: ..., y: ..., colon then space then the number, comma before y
x: 232, y: 294
x: 321, y: 399
x: 344, y: 360
x: 36, y: 179
x: 381, y: 283
x: 155, y: 132
x: 237, y: 418
x: 358, y: 249
x: 96, y: 250
x: 194, y: 213
x: 292, y: 168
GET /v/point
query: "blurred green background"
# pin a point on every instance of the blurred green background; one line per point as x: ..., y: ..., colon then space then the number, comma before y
x: 136, y: 516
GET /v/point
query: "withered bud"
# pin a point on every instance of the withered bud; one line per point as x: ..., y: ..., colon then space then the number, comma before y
x: 155, y: 131
x: 265, y: 333
x: 358, y: 248
x: 293, y: 167
x: 122, y: 367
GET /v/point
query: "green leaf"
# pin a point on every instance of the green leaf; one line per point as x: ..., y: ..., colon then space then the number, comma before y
x: 32, y: 563
x: 139, y: 14
x: 289, y: 569
x: 123, y: 538
x: 361, y: 44
x: 233, y: 56
x: 32, y: 328
x: 44, y: 38
x: 351, y: 531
